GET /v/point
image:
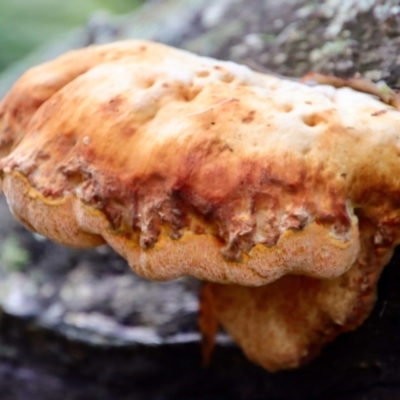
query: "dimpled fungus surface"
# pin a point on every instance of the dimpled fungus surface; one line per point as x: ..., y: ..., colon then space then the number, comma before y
x: 193, y: 166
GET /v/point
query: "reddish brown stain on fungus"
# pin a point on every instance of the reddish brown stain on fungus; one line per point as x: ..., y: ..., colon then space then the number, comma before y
x: 129, y: 131
x: 249, y: 118
x: 274, y: 191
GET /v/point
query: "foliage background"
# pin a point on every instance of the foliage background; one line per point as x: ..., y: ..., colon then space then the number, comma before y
x: 26, y: 24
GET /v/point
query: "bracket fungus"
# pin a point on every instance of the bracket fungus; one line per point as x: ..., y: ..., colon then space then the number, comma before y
x: 283, y: 196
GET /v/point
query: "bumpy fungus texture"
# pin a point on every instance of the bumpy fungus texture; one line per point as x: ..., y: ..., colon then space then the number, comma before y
x: 284, y: 196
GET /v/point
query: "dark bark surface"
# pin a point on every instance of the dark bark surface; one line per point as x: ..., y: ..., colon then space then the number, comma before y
x: 80, y: 325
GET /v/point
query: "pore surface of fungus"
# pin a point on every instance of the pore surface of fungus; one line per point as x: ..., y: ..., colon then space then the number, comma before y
x: 193, y: 166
